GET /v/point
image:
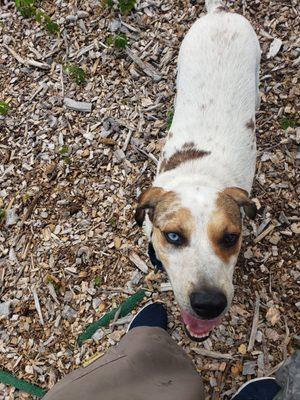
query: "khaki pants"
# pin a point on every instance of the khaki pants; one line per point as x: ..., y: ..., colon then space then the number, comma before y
x: 146, y: 364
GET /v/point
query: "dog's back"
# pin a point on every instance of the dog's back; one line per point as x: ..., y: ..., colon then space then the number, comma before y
x: 217, y: 90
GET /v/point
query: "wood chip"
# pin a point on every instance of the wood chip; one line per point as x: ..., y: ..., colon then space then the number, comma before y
x: 264, y: 233
x: 146, y: 67
x: 138, y: 262
x: 37, y: 305
x: 27, y: 62
x: 78, y: 105
x: 212, y: 354
x: 274, y: 48
x: 254, y: 324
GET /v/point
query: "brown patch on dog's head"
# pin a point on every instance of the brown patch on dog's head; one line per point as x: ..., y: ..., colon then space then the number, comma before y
x: 171, y: 217
x: 226, y: 220
x: 180, y: 220
x: 149, y: 200
x: 250, y: 124
x: 167, y: 215
x: 241, y: 197
x: 183, y: 156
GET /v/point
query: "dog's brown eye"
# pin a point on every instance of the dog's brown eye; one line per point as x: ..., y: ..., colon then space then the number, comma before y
x: 229, y: 239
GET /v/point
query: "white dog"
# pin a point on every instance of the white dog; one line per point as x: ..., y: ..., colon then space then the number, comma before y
x: 193, y: 213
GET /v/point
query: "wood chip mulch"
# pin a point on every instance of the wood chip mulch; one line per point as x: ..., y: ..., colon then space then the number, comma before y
x: 69, y: 178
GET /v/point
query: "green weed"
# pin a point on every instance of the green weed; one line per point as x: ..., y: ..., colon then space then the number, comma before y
x: 64, y: 151
x: 108, y: 3
x: 112, y: 221
x: 28, y: 9
x: 97, y: 281
x: 2, y: 213
x: 119, y: 41
x: 75, y: 73
x: 46, y: 22
x: 126, y: 6
x: 288, y: 123
x: 4, y: 108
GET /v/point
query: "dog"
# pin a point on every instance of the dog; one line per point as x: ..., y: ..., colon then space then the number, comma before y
x: 194, y: 211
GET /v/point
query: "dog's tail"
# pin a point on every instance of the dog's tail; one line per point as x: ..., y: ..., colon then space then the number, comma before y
x: 212, y: 5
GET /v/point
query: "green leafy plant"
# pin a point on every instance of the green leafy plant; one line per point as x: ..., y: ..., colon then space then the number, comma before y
x: 119, y: 41
x: 75, y: 73
x: 170, y: 115
x: 108, y: 3
x: 4, y: 108
x: 112, y: 221
x: 46, y: 22
x: 97, y: 280
x: 126, y: 6
x: 28, y: 9
x: 64, y: 151
x: 288, y: 123
x: 2, y: 213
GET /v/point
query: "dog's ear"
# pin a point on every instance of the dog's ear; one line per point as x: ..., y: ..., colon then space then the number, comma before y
x: 148, y: 201
x: 241, y: 196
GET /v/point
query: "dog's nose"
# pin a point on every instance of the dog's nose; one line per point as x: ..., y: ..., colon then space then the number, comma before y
x: 208, y: 303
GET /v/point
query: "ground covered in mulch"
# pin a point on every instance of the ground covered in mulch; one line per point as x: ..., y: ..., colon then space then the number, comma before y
x: 69, y: 247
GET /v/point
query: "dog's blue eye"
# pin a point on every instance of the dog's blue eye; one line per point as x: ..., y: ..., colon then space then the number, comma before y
x: 174, y: 238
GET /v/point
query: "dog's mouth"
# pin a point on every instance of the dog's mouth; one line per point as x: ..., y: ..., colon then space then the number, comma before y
x: 198, y: 329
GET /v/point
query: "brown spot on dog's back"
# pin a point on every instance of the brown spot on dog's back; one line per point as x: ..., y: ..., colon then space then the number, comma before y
x: 183, y: 156
x: 222, y: 9
x: 226, y: 219
x: 250, y: 124
x: 188, y: 145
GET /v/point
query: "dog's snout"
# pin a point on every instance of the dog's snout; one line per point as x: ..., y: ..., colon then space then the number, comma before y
x: 208, y: 303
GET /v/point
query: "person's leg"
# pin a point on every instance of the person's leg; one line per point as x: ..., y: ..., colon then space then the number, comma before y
x: 258, y: 389
x: 153, y: 314
x: 147, y: 364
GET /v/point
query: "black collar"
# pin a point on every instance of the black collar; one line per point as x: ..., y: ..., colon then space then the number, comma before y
x: 154, y: 260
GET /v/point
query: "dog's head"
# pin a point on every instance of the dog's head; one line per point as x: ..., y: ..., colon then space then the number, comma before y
x: 196, y: 234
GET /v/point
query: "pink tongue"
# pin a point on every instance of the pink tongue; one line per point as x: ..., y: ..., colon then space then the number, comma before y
x: 199, y: 326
